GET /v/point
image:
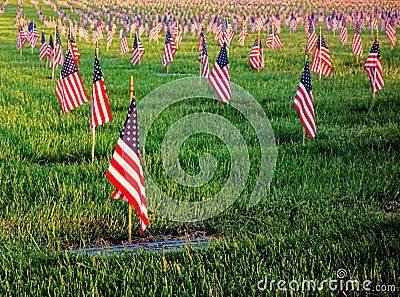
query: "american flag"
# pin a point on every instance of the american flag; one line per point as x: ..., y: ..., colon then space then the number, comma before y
x: 253, y: 26
x: 43, y: 48
x: 50, y: 49
x: 373, y: 23
x: 259, y: 24
x: 356, y: 45
x: 256, y: 58
x: 140, y: 31
x: 343, y: 32
x: 101, y: 112
x: 391, y: 34
x: 293, y: 24
x: 277, y: 23
x: 70, y: 90
x: 205, y: 67
x: 304, y: 102
x: 273, y: 41
x: 125, y: 171
x: 243, y: 34
x: 74, y: 49
x: 32, y: 34
x: 220, y: 76
x: 153, y: 33
x: 58, y: 52
x: 95, y: 35
x: 137, y: 50
x: 322, y: 59
x: 373, y: 66
x: 177, y: 34
x: 110, y: 37
x: 169, y: 49
x: 84, y: 33
x: 21, y: 38
x: 124, y: 48
x: 312, y: 38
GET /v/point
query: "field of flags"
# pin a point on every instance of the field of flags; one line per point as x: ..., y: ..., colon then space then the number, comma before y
x: 315, y: 68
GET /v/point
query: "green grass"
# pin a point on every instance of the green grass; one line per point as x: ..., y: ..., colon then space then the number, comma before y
x: 332, y: 204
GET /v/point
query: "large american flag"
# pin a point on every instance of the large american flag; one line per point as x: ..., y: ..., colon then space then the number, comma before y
x: 101, y: 112
x: 322, y: 59
x: 304, y: 102
x: 312, y: 38
x: 256, y: 58
x: 124, y: 48
x: 373, y: 66
x: 220, y: 77
x: 169, y: 49
x: 125, y: 171
x: 137, y: 50
x: 70, y: 90
x: 205, y: 67
x: 391, y: 34
x: 43, y: 48
x: 356, y: 45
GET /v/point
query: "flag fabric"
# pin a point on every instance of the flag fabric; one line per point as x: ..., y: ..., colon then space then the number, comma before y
x: 70, y: 90
x: 304, y: 102
x: 83, y: 32
x: 293, y: 24
x: 256, y: 58
x: 43, y: 48
x: 205, y: 67
x: 243, y: 34
x: 220, y: 77
x: 137, y: 50
x: 373, y: 66
x: 110, y: 37
x: 124, y: 48
x: 125, y: 171
x: 169, y: 49
x: 58, y: 52
x: 312, y: 38
x: 391, y: 34
x: 322, y: 60
x: 101, y: 112
x: 177, y: 34
x: 273, y: 41
x: 356, y: 44
x: 50, y: 50
x: 74, y: 49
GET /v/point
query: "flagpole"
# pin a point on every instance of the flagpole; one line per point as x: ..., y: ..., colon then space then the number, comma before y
x: 131, y: 96
x: 320, y: 62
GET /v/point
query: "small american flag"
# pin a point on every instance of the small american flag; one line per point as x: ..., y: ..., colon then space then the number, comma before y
x: 391, y: 34
x: 21, y: 38
x: 322, y: 60
x: 137, y: 50
x: 243, y: 34
x: 32, y: 34
x: 312, y: 38
x: 124, y: 48
x: 356, y: 45
x: 220, y: 76
x: 304, y: 102
x: 205, y: 67
x: 169, y: 50
x: 50, y: 49
x: 43, y: 48
x: 58, y: 52
x: 293, y: 24
x: 125, y: 171
x: 101, y: 112
x: 74, y: 49
x: 110, y: 37
x: 343, y: 32
x: 256, y: 58
x: 70, y: 90
x: 373, y: 66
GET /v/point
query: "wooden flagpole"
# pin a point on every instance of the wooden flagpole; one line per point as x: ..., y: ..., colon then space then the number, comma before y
x: 131, y: 97
x: 320, y: 62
